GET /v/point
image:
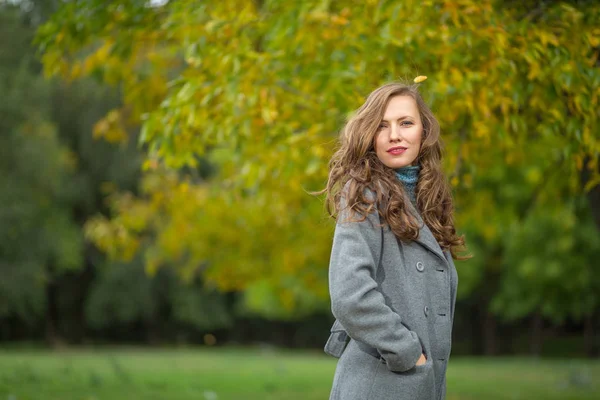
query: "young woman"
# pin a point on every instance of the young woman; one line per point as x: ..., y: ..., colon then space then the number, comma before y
x: 392, y: 279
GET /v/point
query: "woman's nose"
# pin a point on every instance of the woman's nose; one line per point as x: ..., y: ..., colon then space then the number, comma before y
x: 394, y: 132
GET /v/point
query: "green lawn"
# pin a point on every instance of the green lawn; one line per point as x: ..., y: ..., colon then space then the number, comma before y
x: 247, y: 374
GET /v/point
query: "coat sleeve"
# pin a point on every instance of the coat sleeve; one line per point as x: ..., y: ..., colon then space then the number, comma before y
x: 356, y: 300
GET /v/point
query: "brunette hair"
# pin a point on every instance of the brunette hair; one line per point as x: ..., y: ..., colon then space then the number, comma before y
x: 356, y: 170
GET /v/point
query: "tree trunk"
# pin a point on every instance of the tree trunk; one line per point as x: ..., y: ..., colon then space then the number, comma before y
x: 476, y: 333
x: 592, y: 321
x: 52, y: 335
x: 591, y: 339
x: 593, y: 195
x: 537, y: 325
x: 490, y: 345
x: 85, y: 279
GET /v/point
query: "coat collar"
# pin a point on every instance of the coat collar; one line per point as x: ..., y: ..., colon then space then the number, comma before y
x: 426, y: 238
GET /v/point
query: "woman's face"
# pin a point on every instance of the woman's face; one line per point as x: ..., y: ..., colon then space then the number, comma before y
x: 398, y: 139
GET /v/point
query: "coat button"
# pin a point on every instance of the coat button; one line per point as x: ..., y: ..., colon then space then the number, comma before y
x: 420, y: 267
x: 426, y: 309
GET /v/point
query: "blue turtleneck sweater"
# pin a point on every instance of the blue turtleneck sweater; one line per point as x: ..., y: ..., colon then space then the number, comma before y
x: 409, y: 176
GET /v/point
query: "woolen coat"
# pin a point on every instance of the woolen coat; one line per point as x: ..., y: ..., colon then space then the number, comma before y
x: 392, y: 300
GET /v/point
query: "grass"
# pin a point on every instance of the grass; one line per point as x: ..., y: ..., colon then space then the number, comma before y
x: 266, y: 374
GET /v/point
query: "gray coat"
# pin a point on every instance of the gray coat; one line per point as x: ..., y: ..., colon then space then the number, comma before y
x: 392, y: 301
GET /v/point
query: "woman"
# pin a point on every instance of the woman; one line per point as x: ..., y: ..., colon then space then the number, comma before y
x: 392, y: 279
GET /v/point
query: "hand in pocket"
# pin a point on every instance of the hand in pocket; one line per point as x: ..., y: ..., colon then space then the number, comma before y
x: 422, y: 360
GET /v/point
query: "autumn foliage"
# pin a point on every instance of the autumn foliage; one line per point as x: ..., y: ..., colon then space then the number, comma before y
x: 258, y: 90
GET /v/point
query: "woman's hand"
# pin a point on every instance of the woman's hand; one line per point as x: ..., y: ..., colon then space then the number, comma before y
x: 421, y: 359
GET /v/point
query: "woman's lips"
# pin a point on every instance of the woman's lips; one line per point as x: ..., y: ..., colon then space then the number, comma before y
x: 396, y: 150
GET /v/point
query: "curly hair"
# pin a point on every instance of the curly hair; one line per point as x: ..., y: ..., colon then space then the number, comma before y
x: 355, y: 170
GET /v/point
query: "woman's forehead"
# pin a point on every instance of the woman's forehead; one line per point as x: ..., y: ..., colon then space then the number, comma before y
x: 400, y: 107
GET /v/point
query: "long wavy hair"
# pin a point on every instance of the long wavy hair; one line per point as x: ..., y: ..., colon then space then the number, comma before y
x: 356, y: 167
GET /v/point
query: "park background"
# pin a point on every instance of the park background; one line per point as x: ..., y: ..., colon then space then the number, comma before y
x: 157, y: 235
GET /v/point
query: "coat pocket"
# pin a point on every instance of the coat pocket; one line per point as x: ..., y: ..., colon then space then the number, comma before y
x: 417, y: 383
x: 338, y: 340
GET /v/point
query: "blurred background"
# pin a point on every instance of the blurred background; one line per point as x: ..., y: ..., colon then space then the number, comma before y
x: 158, y: 238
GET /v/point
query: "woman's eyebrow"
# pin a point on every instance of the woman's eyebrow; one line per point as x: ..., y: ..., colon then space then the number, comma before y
x: 399, y: 118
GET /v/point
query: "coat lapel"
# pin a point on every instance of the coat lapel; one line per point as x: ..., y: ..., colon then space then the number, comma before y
x: 426, y: 238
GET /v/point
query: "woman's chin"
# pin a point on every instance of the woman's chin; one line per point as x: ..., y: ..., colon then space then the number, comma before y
x: 398, y: 164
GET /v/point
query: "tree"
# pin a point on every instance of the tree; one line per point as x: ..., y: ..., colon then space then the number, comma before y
x: 260, y: 90
x: 38, y: 238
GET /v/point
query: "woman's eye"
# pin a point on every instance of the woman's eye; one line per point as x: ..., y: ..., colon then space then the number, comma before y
x: 406, y: 123
x: 381, y: 127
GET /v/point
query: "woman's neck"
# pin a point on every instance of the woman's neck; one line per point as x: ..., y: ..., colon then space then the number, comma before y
x: 409, y: 176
